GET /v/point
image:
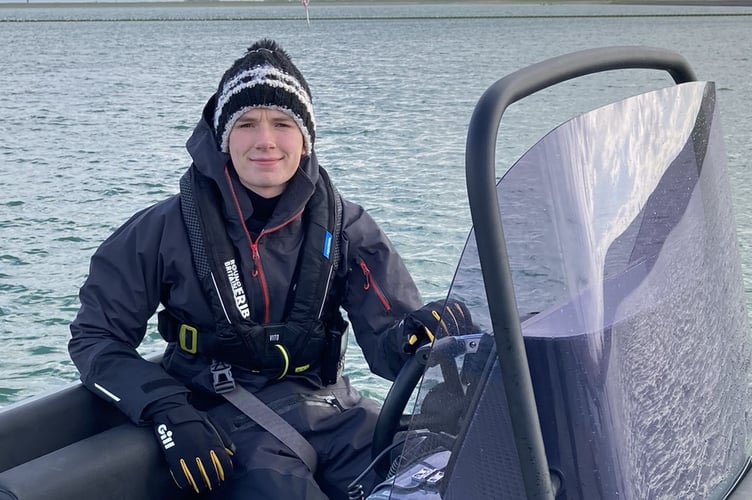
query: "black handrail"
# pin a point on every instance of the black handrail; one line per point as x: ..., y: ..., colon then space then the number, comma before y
x: 480, y: 169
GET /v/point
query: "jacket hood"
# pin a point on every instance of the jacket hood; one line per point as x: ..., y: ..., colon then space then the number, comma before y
x: 202, y: 145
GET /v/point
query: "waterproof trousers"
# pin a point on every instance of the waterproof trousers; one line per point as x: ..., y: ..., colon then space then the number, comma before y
x: 336, y: 420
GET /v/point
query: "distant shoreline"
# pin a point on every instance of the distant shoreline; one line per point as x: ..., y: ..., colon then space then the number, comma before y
x: 314, y: 3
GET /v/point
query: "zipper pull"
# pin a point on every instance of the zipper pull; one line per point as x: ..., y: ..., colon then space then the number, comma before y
x: 370, y: 284
x: 332, y: 400
x: 256, y: 258
x: 366, y: 274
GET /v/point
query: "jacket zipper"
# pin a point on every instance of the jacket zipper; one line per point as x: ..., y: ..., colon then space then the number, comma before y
x: 258, y: 270
x: 370, y: 284
x: 289, y: 403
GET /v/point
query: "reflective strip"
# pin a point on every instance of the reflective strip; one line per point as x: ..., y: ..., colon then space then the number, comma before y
x: 219, y: 296
x: 107, y: 393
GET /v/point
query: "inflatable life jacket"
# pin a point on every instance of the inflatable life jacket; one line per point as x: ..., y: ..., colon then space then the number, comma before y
x: 310, y: 332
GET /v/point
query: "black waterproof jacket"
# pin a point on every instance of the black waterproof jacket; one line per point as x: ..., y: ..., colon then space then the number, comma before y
x: 147, y: 262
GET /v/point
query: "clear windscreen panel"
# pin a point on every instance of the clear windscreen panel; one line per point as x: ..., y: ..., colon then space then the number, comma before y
x: 628, y: 282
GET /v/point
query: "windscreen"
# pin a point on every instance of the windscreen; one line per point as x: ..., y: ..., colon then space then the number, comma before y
x: 621, y: 240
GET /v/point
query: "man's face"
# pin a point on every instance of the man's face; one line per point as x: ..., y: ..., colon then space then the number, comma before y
x: 266, y: 146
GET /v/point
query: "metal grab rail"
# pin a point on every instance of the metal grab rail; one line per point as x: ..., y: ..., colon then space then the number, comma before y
x: 480, y: 170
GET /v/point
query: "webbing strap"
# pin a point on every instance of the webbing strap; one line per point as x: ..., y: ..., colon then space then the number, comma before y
x: 264, y: 416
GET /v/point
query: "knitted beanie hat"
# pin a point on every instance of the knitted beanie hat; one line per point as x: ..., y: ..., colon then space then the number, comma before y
x: 264, y: 77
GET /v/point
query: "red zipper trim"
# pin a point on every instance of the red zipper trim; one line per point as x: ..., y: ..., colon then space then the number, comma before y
x: 258, y: 270
x: 370, y: 284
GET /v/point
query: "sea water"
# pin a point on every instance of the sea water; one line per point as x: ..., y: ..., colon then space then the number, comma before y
x: 96, y: 103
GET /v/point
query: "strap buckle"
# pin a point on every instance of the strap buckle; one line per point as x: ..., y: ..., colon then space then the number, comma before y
x: 223, y: 379
x: 188, y: 338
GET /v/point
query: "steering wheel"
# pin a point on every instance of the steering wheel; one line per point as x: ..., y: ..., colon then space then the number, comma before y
x: 444, y: 350
x: 396, y: 400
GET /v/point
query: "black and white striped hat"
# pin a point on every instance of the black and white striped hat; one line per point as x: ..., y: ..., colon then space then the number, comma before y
x: 264, y: 77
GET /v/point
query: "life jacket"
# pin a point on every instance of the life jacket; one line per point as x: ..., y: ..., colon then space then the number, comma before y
x: 307, y: 336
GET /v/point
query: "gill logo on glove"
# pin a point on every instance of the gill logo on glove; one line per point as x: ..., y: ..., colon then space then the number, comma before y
x: 165, y: 435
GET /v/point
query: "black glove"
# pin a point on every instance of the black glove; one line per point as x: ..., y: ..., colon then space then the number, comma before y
x: 436, y: 319
x: 197, y: 452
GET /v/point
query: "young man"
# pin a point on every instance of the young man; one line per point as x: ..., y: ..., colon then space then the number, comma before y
x: 251, y: 262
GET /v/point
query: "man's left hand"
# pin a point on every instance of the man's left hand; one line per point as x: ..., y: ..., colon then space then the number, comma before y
x: 438, y: 318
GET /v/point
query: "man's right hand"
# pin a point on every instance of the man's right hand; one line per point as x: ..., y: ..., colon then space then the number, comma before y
x: 197, y: 452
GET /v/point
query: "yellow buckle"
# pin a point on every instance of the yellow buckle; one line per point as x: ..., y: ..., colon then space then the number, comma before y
x: 192, y: 346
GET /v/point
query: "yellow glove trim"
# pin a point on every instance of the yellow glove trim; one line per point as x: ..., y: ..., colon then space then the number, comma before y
x: 454, y: 318
x: 188, y: 475
x: 204, y: 475
x: 459, y: 309
x: 413, y: 339
x: 217, y: 465
x: 438, y: 318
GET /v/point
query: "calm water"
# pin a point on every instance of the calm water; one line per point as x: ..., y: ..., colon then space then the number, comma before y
x: 97, y: 103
